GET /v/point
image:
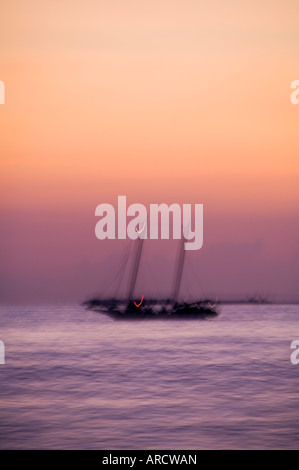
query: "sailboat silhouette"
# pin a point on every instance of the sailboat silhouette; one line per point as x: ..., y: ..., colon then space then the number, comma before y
x: 153, y: 309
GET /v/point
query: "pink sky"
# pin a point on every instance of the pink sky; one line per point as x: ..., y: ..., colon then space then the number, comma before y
x: 172, y: 101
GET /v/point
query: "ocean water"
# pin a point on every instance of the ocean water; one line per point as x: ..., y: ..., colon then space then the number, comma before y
x: 77, y: 380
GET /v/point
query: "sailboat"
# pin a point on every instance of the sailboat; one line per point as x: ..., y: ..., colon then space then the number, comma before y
x: 153, y: 309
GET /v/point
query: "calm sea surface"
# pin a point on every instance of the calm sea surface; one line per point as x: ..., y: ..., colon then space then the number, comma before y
x: 76, y: 380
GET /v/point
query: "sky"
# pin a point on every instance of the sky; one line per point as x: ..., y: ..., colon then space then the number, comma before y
x: 161, y: 101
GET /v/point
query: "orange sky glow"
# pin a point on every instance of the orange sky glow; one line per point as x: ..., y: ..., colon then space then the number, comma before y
x: 163, y: 101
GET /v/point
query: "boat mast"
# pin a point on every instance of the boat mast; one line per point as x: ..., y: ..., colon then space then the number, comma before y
x: 135, y: 267
x: 179, y: 271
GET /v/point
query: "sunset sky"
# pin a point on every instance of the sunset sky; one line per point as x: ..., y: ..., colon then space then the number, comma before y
x: 181, y: 101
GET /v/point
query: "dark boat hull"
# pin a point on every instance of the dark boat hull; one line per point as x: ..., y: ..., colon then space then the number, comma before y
x: 191, y: 313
